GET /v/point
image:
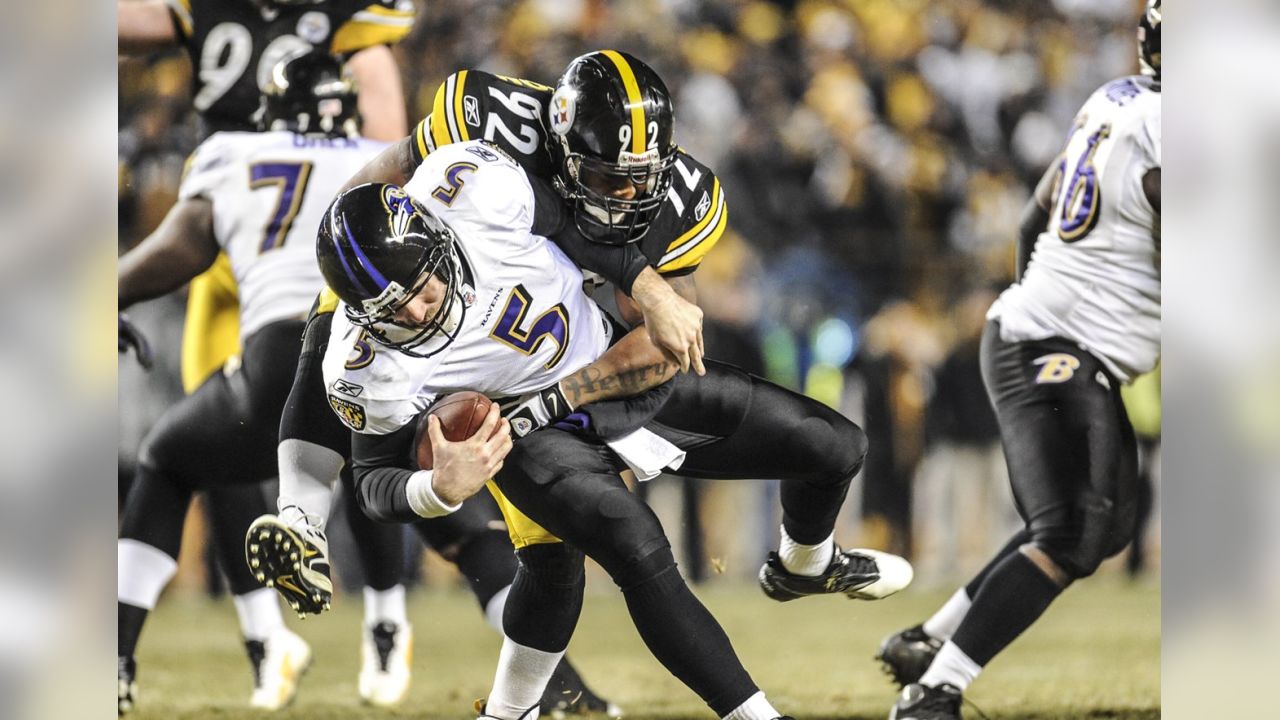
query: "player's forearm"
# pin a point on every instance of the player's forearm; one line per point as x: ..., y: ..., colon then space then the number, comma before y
x: 1034, y: 220
x: 395, y: 166
x: 381, y: 97
x: 382, y: 494
x: 144, y: 27
x: 170, y: 257
x: 633, y: 365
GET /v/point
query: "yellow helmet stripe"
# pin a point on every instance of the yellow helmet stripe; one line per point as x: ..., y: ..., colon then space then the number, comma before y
x: 638, y: 137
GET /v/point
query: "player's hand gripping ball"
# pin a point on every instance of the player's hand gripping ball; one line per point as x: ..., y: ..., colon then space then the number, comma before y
x: 460, y: 414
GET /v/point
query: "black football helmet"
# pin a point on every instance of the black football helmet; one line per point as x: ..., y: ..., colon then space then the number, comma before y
x: 309, y: 92
x: 610, y: 123
x: 1149, y: 39
x: 377, y: 248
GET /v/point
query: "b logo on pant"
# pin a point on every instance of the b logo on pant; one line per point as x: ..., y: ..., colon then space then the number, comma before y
x: 1056, y: 368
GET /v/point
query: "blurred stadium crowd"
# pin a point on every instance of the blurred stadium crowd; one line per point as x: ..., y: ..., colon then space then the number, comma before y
x: 876, y: 156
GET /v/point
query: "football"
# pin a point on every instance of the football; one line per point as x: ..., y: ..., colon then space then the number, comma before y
x: 461, y: 415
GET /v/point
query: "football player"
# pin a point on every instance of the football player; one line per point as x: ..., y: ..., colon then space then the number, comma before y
x: 250, y: 195
x: 232, y: 47
x: 467, y: 293
x: 1082, y: 319
x: 732, y: 425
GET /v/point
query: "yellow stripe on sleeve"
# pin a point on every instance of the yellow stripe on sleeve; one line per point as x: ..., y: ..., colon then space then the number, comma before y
x: 693, y: 257
x: 711, y: 214
x: 360, y: 33
x: 181, y: 9
x: 459, y: 89
x: 439, y: 122
x: 420, y: 136
x: 634, y: 101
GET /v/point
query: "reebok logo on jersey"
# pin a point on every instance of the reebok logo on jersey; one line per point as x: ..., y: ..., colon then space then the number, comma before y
x: 471, y: 110
x: 352, y: 414
x: 347, y: 388
x: 700, y: 211
x: 1056, y: 368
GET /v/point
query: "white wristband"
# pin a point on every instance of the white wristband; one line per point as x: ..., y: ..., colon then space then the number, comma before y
x: 423, y: 499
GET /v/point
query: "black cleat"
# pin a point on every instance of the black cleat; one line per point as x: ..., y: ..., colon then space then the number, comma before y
x: 907, y: 654
x: 921, y: 702
x: 480, y: 712
x: 860, y: 574
x: 126, y: 684
x: 567, y: 694
x: 293, y: 560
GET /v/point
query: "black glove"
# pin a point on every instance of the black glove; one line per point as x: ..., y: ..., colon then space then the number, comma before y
x: 537, y: 410
x: 132, y: 337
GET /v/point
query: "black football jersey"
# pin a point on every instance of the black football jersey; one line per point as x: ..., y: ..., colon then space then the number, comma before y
x: 510, y: 112
x: 233, y: 44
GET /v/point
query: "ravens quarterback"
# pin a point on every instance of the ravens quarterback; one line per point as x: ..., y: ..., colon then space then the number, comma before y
x: 1082, y: 319
x: 603, y: 138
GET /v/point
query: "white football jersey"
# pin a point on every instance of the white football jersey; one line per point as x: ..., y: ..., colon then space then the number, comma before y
x: 1094, y: 275
x: 526, y: 323
x: 269, y: 192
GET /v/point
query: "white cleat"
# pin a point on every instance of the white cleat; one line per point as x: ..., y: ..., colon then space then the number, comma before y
x: 387, y: 654
x: 895, y: 574
x: 278, y: 664
x: 272, y: 551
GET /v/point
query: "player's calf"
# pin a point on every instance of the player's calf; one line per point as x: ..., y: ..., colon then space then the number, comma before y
x: 293, y: 559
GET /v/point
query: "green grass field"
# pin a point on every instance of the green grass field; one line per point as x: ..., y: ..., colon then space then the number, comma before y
x: 1096, y: 654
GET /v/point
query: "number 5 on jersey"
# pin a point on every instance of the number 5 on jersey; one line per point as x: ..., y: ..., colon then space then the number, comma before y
x: 552, y: 324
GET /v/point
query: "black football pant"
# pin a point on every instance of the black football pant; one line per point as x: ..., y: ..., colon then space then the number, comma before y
x: 1071, y: 451
x: 733, y: 426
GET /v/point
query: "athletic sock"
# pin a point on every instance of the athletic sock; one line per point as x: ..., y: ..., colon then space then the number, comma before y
x: 943, y: 624
x: 809, y: 560
x: 494, y: 609
x: 385, y: 606
x: 129, y: 622
x: 142, y: 571
x: 523, y: 673
x: 756, y: 707
x: 1020, y: 538
x: 308, y: 478
x: 259, y: 613
x: 1015, y: 595
x: 953, y: 667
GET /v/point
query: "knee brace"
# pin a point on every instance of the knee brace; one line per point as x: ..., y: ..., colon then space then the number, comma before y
x: 546, y: 597
x: 646, y: 568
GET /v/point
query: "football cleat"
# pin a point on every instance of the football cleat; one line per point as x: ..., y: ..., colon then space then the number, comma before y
x: 294, y: 559
x: 921, y: 702
x: 860, y: 574
x: 566, y: 694
x: 906, y: 655
x: 387, y: 652
x: 126, y: 684
x: 278, y: 664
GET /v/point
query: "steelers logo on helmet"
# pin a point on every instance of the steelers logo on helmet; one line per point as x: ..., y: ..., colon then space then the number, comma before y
x: 564, y: 105
x: 378, y: 250
x: 612, y: 145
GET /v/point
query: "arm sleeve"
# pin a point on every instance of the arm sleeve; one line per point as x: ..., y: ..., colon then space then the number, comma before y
x: 380, y: 464
x: 619, y: 264
x: 612, y: 419
x: 383, y: 22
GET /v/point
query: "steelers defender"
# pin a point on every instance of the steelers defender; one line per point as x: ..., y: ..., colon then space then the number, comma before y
x: 1083, y: 319
x: 637, y: 207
